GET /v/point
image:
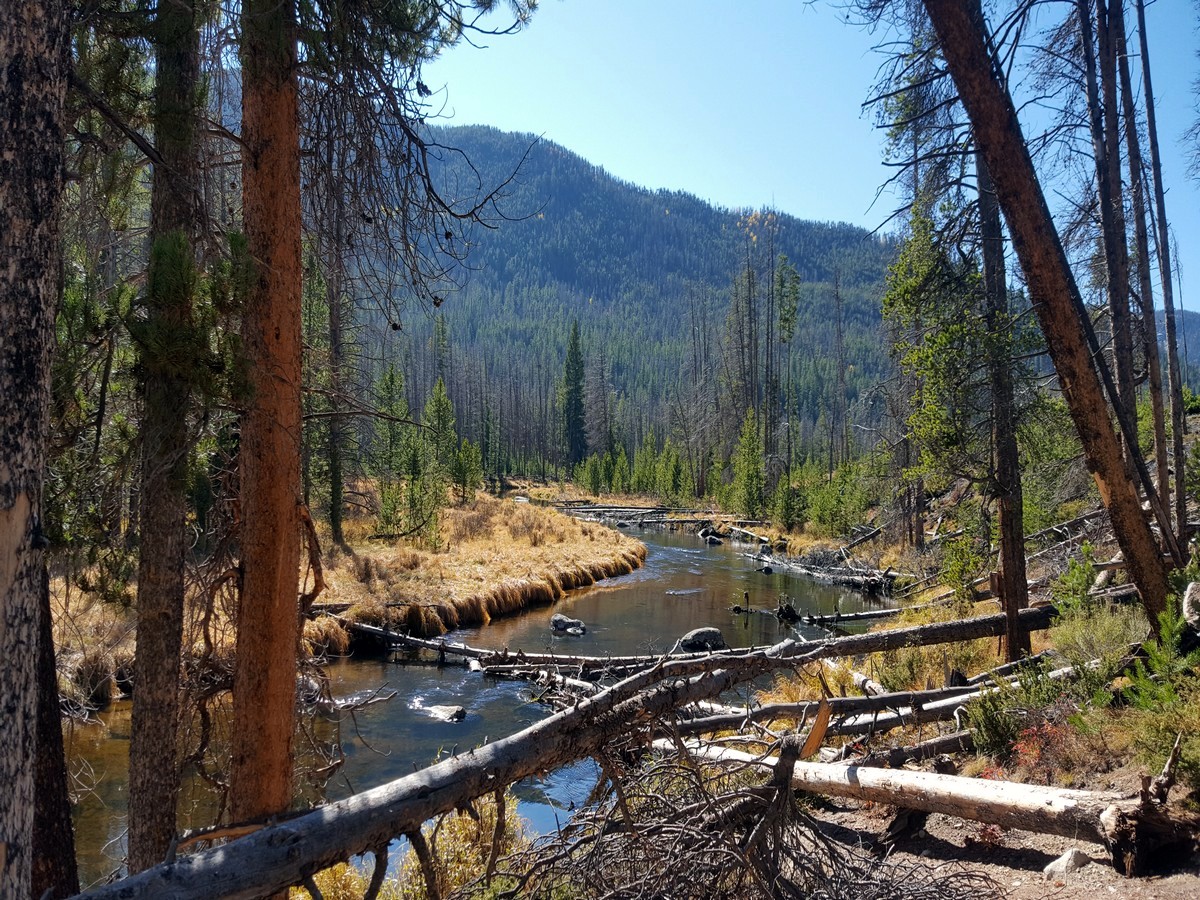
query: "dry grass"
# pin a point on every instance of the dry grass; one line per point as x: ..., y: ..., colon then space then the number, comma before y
x: 501, y: 557
x: 324, y: 636
x: 95, y: 642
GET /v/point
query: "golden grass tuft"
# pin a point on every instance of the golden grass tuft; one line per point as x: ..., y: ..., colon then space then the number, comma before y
x: 325, y: 636
x: 501, y: 557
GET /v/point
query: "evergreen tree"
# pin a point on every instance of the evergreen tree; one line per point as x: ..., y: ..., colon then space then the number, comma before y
x: 749, y: 480
x: 439, y: 419
x: 392, y: 436
x: 619, y: 484
x: 467, y: 471
x: 574, y: 431
x: 645, y: 465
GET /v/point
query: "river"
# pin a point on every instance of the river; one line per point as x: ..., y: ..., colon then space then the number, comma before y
x: 683, y: 585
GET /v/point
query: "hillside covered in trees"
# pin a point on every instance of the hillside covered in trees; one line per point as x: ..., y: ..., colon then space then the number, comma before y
x: 673, y: 298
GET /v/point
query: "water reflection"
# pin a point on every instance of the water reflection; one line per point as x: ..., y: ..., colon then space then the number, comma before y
x: 683, y: 585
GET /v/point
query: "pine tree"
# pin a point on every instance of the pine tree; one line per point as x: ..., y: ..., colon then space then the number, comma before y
x: 574, y: 431
x: 439, y: 419
x: 749, y: 480
x: 467, y: 471
x: 392, y: 435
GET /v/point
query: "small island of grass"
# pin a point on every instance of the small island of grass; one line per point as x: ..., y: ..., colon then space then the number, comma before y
x: 496, y: 558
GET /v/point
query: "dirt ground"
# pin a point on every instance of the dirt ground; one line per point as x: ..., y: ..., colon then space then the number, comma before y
x: 1014, y: 860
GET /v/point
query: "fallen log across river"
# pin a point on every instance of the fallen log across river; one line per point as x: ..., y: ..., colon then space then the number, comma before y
x: 292, y: 851
x: 499, y: 661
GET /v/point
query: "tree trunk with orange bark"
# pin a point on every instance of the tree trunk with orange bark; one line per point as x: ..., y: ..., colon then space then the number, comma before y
x: 269, y: 454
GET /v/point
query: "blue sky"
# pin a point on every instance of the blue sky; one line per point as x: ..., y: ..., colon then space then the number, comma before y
x: 747, y: 104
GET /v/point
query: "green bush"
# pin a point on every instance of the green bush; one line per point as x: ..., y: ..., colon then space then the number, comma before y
x: 1070, y: 589
x: 998, y: 718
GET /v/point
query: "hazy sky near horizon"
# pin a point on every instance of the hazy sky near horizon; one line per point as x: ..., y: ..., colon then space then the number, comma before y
x: 748, y: 104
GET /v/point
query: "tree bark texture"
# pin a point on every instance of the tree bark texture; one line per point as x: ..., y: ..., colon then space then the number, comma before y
x: 33, y: 79
x: 1052, y: 286
x: 269, y: 454
x: 1006, y: 475
x: 168, y: 353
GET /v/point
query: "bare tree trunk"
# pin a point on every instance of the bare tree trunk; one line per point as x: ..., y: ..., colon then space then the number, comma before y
x: 1112, y: 218
x: 1178, y: 422
x: 1052, y: 286
x: 33, y: 80
x: 167, y: 352
x: 269, y: 456
x: 335, y: 271
x: 1130, y: 828
x: 1137, y: 183
x: 1006, y: 476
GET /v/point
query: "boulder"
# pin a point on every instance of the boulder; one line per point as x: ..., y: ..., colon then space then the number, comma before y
x: 1191, y: 605
x: 446, y: 713
x: 713, y: 539
x: 1071, y: 861
x: 559, y: 622
x: 700, y: 639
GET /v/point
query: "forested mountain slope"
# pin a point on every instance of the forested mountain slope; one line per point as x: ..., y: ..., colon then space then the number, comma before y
x: 647, y: 274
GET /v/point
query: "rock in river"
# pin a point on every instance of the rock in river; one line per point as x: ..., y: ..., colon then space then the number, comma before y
x: 446, y: 713
x: 559, y: 622
x: 700, y: 639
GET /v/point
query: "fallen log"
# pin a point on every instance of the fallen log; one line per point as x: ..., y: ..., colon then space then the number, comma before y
x: 838, y: 618
x: 862, y: 539
x: 1011, y: 668
x: 957, y: 742
x: 879, y: 712
x: 1133, y: 830
x: 288, y: 853
x: 504, y: 661
x: 746, y: 536
x: 852, y: 645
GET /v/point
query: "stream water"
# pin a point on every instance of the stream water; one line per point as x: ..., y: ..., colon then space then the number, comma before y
x: 684, y: 584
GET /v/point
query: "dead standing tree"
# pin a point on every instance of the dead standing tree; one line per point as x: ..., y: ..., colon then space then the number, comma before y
x: 1055, y: 294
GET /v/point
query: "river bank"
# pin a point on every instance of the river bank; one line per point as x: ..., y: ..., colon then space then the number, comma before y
x: 499, y: 557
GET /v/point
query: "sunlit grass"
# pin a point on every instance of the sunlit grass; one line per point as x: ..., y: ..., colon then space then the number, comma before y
x: 499, y: 557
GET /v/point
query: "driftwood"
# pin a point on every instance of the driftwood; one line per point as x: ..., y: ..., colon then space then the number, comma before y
x: 869, y: 581
x: 1132, y: 828
x: 1012, y: 667
x: 746, y: 536
x: 957, y: 742
x: 862, y: 539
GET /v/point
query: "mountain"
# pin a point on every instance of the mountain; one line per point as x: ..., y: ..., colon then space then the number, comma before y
x: 647, y: 274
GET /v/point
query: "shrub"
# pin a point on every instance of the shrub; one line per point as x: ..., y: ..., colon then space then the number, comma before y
x: 998, y: 718
x: 1070, y: 589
